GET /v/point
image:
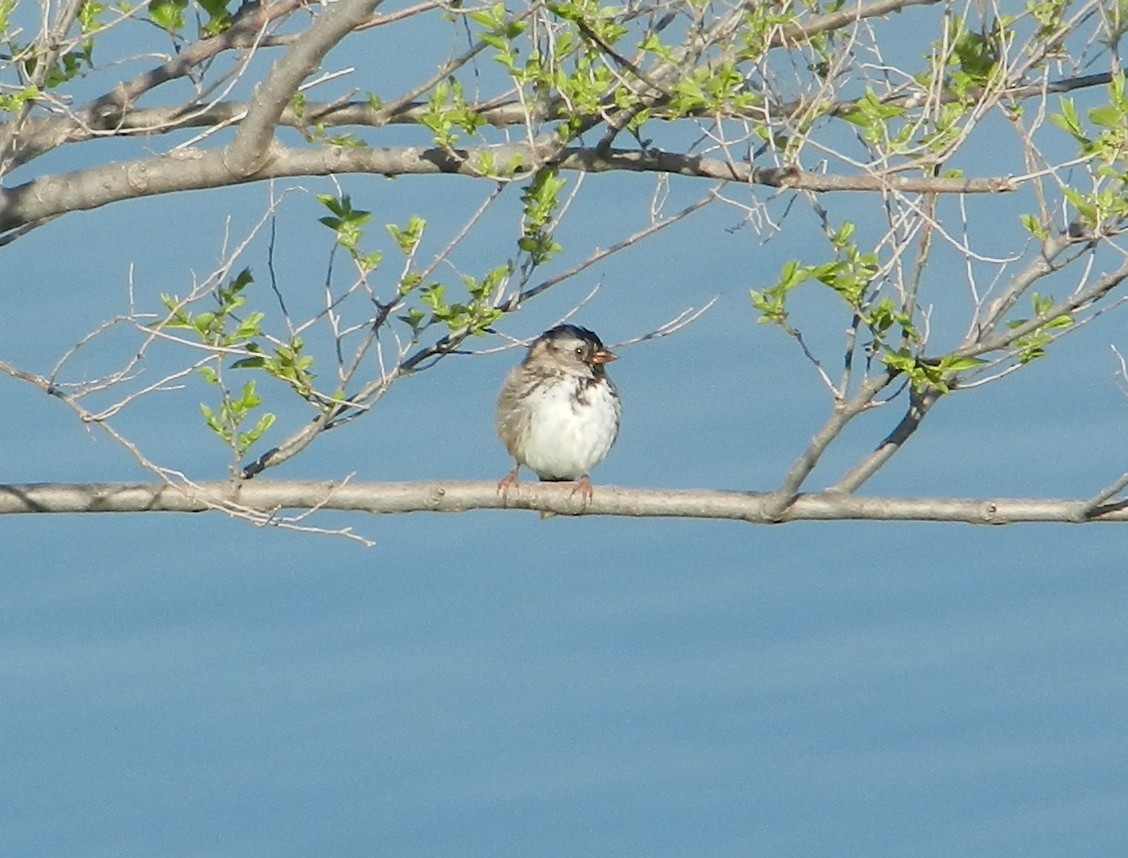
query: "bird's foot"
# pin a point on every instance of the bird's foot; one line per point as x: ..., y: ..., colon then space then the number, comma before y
x: 583, y: 486
x: 506, y: 483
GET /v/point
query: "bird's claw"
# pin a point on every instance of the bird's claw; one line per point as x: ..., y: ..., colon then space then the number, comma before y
x: 583, y: 486
x: 506, y: 483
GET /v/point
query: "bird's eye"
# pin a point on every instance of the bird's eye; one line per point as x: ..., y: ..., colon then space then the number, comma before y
x: 579, y: 350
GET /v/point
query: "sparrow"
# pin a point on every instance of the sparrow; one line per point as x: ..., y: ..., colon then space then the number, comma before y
x: 558, y: 413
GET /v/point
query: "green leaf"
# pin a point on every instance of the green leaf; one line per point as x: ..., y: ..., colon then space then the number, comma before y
x: 1107, y: 116
x: 1034, y: 226
x: 409, y: 236
x: 211, y: 420
x: 168, y: 14
x: 959, y: 364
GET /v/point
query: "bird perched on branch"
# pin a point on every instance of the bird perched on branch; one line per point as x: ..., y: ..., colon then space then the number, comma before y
x: 558, y: 412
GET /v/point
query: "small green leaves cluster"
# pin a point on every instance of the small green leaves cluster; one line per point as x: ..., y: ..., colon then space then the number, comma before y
x: 1033, y: 345
x: 1110, y: 143
x: 895, y: 337
x: 447, y: 113
x: 1049, y: 15
x: 473, y: 316
x: 6, y: 7
x: 849, y: 275
x: 771, y: 303
x: 583, y: 88
x: 233, y: 415
x: 1107, y: 144
x: 500, y: 32
x: 881, y: 318
x: 88, y: 16
x: 408, y: 236
x: 586, y: 75
x: 852, y: 272
x: 1035, y: 226
x: 762, y: 24
x: 716, y: 89
x: 219, y: 19
x: 602, y: 21
x: 967, y: 61
x: 13, y: 102
x: 223, y: 330
x: 486, y: 163
x: 70, y: 64
x: 574, y: 68
x: 929, y: 375
x: 348, y: 224
x: 285, y: 361
x: 169, y: 15
x: 541, y: 201
x: 872, y: 114
x: 435, y: 307
x: 220, y: 327
x: 974, y: 57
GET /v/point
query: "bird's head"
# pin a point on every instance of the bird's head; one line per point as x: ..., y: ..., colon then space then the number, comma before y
x: 572, y: 348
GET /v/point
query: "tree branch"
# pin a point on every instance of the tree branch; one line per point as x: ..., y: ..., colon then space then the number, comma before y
x: 251, y: 147
x: 1065, y: 307
x: 111, y: 112
x: 836, y: 20
x: 82, y: 190
x: 844, y: 411
x: 269, y: 496
x: 919, y: 406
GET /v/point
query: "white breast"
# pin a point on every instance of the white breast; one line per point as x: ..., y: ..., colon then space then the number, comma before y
x: 566, y: 438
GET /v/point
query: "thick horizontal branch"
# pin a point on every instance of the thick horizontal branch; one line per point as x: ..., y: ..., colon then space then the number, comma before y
x: 82, y: 190
x: 261, y: 497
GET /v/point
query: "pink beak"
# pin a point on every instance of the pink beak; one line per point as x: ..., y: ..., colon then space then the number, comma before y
x: 604, y: 356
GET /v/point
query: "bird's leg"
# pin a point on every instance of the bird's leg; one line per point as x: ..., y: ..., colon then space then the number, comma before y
x: 583, y: 486
x: 507, y: 482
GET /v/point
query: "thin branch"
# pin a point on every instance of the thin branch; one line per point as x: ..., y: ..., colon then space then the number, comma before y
x: 1045, y: 263
x: 684, y: 318
x: 1065, y: 307
x: 843, y: 413
x: 1107, y: 494
x: 656, y: 161
x: 836, y: 20
x: 919, y: 406
x: 601, y: 254
x: 499, y: 114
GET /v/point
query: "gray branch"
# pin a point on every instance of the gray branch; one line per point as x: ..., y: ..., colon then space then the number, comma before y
x: 251, y: 147
x: 780, y: 504
x: 266, y: 497
x: 50, y: 196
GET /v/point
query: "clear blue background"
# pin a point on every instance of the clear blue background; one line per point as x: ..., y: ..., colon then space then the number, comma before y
x: 493, y: 684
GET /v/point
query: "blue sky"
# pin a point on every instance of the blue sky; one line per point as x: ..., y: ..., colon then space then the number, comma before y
x: 494, y: 684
